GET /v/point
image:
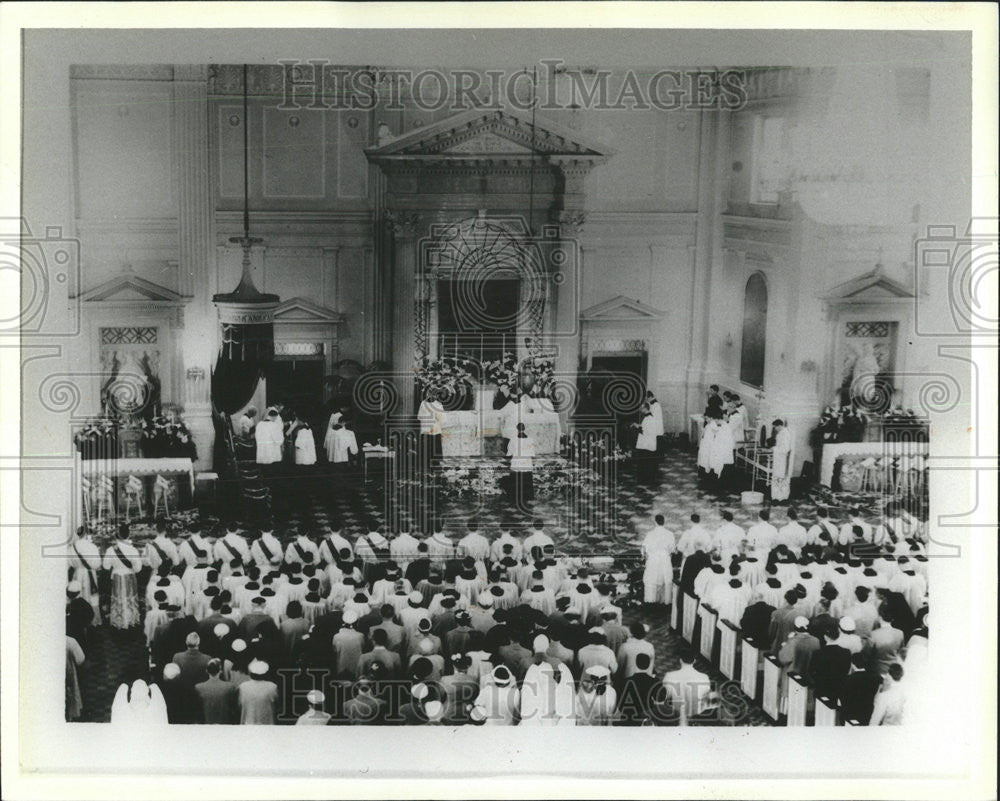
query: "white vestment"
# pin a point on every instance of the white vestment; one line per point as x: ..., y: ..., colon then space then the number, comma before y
x: 269, y: 436
x: 339, y: 444
x: 659, y: 573
x: 305, y: 447
x: 781, y: 469
x: 716, y: 448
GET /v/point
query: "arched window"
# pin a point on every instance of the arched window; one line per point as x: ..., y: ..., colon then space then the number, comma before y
x: 754, y: 331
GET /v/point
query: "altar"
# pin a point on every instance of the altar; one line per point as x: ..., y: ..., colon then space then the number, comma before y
x: 464, y: 433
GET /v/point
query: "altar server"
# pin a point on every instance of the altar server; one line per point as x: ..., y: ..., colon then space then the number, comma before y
x: 270, y: 436
x: 340, y: 444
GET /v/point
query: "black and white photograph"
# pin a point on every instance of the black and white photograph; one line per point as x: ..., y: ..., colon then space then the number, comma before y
x: 492, y: 374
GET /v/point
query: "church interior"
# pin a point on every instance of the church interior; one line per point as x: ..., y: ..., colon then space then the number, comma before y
x: 408, y: 288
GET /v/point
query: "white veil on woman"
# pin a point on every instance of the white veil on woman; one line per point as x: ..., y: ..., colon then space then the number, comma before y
x: 142, y: 705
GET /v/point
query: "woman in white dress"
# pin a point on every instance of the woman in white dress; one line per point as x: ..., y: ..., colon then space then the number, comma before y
x: 124, y: 562
x: 139, y: 707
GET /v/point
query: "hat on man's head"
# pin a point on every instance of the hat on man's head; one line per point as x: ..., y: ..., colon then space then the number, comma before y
x: 315, y: 697
x: 415, y: 598
x: 419, y: 691
x: 801, y: 623
x: 540, y: 644
x: 259, y: 667
x: 462, y: 616
x: 485, y: 599
x: 350, y: 617
x: 221, y: 630
x: 171, y: 671
x: 847, y: 625
x: 424, y: 624
x: 238, y: 646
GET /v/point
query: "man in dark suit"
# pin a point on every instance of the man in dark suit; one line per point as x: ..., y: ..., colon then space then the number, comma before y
x: 829, y: 667
x: 395, y: 635
x: 210, y: 643
x: 192, y: 662
x: 218, y: 698
x: 637, y: 698
x: 857, y: 697
x: 380, y: 653
x: 756, y: 622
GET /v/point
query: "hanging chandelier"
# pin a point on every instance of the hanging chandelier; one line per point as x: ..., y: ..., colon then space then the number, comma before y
x: 245, y: 314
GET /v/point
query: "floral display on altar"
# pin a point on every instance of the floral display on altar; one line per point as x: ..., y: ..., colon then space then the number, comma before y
x: 533, y: 378
x: 111, y: 436
x: 848, y: 423
x: 445, y: 380
x: 166, y: 437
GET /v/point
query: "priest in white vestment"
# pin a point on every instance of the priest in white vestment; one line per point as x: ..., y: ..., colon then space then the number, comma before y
x: 340, y: 444
x: 305, y: 445
x: 270, y: 436
x: 658, y: 574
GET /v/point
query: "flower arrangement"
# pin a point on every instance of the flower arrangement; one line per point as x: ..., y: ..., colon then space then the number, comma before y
x: 444, y: 380
x: 166, y: 436
x: 541, y: 372
x: 159, y: 437
x: 503, y: 372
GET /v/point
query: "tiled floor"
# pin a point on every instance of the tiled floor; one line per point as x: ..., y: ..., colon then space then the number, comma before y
x: 624, y: 511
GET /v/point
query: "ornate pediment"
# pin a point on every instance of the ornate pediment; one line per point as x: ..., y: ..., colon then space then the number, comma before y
x: 481, y: 133
x: 300, y: 310
x: 872, y: 286
x: 621, y: 308
x: 129, y: 288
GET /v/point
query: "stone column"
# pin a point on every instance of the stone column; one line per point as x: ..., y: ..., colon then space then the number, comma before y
x: 565, y: 287
x: 404, y: 227
x: 196, y: 249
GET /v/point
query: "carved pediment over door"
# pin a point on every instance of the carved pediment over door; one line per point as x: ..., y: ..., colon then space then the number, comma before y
x: 488, y: 134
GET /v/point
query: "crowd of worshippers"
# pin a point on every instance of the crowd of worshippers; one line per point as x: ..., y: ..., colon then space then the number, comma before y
x: 440, y: 630
x: 843, y: 605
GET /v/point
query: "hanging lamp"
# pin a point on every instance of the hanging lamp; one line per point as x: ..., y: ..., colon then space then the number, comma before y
x: 245, y: 314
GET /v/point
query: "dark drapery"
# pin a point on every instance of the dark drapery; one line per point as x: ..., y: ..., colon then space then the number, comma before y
x: 245, y: 354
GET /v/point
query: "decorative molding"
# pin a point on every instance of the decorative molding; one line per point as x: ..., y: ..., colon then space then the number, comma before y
x: 621, y: 309
x: 870, y: 287
x: 478, y: 134
x: 401, y: 223
x: 572, y: 221
x: 301, y: 310
x: 122, y: 72
x: 130, y: 283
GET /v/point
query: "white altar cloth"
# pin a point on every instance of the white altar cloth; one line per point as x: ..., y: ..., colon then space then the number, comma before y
x: 462, y: 433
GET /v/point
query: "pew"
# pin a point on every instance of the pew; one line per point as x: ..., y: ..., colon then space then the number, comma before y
x: 675, y: 592
x: 749, y: 668
x: 727, y: 649
x: 690, y: 615
x: 826, y: 711
x: 772, y: 687
x: 709, y: 617
x: 797, y: 702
